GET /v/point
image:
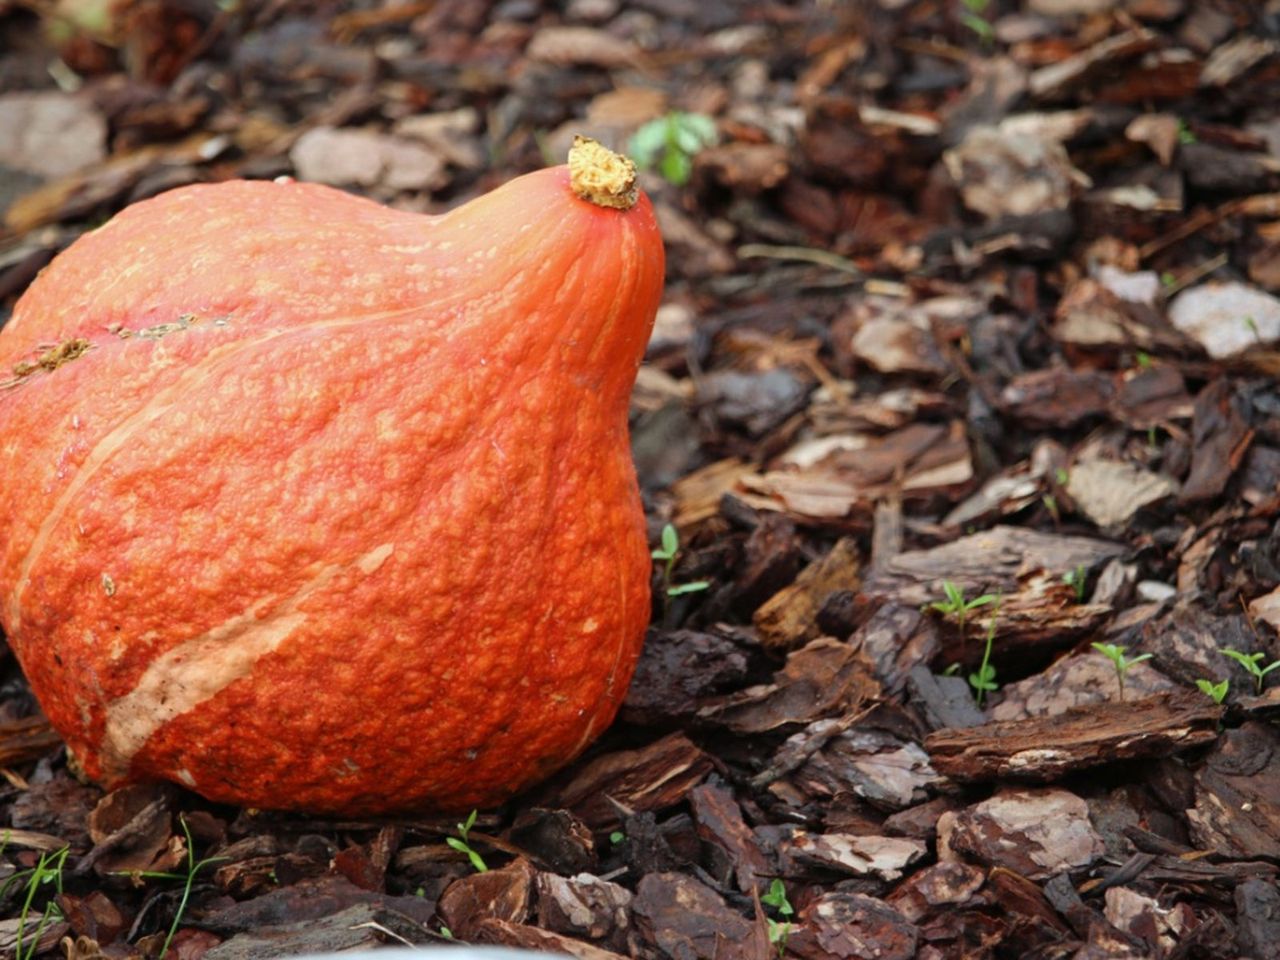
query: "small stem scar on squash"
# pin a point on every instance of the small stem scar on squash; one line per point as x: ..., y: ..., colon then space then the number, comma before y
x: 600, y: 176
x: 50, y: 360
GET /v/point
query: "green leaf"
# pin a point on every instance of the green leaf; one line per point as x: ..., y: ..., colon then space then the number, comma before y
x: 647, y: 142
x: 1110, y: 650
x: 701, y: 126
x: 776, y: 897
x: 1247, y: 660
x: 984, y: 679
x: 670, y: 541
x: 676, y: 167
x: 1217, y: 692
x: 693, y: 587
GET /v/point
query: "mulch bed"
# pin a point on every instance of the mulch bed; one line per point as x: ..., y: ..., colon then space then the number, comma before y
x: 967, y: 365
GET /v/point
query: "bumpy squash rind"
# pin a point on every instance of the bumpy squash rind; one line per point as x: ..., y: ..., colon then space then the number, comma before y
x: 332, y: 508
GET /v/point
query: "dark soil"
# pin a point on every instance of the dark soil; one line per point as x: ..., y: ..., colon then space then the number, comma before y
x: 966, y: 368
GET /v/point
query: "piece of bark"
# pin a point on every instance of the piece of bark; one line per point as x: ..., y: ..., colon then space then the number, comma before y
x: 946, y: 702
x: 1074, y: 682
x: 1258, y: 919
x: 1022, y: 900
x: 308, y: 901
x: 1156, y: 928
x: 132, y: 829
x: 507, y: 934
x: 754, y: 402
x: 893, y: 338
x: 1058, y: 79
x: 27, y: 739
x: 93, y: 915
x: 555, y: 839
x: 990, y: 561
x: 943, y: 885
x: 1230, y: 61
x: 367, y: 867
x: 1110, y: 492
x: 790, y: 617
x: 503, y: 894
x: 1089, y: 924
x: 1044, y: 749
x: 822, y: 679
x: 652, y: 847
x: 585, y: 906
x: 883, y: 858
x: 1035, y: 833
x: 683, y: 919
x: 896, y: 640
x: 1017, y: 175
x: 846, y: 479
x: 652, y: 777
x: 1188, y: 642
x: 1058, y: 397
x: 357, y: 927
x: 887, y: 772
x: 1227, y: 319
x: 1220, y: 437
x: 850, y: 926
x: 772, y: 556
x: 677, y: 671
x: 746, y: 167
x: 887, y: 534
x: 720, y: 824
x: 1151, y: 397
x: 920, y: 821
x: 1237, y: 794
x: 17, y: 934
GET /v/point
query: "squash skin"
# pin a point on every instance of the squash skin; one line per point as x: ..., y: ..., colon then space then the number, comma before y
x: 364, y: 535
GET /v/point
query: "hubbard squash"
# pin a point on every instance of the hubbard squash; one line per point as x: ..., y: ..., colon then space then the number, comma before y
x: 312, y: 504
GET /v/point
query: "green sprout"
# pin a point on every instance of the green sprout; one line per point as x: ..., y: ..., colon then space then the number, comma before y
x: 1185, y: 133
x: 1051, y: 504
x: 1115, y: 653
x: 667, y: 553
x: 1077, y: 580
x: 779, y: 930
x: 1061, y: 476
x: 48, y: 870
x: 671, y: 142
x: 462, y: 843
x: 972, y: 17
x: 1217, y: 692
x: 1144, y: 358
x: 1251, y: 662
x: 957, y: 606
x: 188, y: 878
x: 617, y: 837
x: 984, y: 680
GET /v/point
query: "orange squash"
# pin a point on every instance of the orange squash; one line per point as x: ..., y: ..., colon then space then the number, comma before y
x: 312, y: 504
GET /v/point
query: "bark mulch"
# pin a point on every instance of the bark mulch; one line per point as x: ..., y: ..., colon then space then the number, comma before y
x: 966, y: 369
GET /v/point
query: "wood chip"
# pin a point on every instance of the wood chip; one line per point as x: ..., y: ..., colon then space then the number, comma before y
x: 653, y: 777
x: 790, y: 618
x: 1047, y: 748
x: 1035, y: 833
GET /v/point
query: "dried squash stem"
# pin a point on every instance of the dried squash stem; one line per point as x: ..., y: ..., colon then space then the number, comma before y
x: 600, y: 176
